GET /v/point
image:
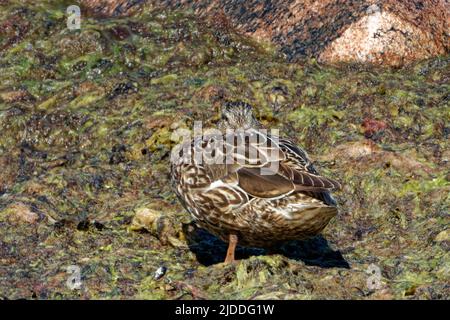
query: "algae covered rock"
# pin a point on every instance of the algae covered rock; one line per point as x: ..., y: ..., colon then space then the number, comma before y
x: 156, y: 219
x: 383, y: 32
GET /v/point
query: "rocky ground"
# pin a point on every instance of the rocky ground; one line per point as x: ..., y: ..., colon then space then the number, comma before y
x: 383, y: 32
x: 86, y: 118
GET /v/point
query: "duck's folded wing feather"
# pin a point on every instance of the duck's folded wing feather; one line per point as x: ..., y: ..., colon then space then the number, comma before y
x: 267, y: 166
x: 302, y: 172
x: 252, y: 181
x: 282, y: 175
x: 307, y: 181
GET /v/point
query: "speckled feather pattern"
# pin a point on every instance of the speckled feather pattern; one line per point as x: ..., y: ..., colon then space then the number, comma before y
x: 293, y: 203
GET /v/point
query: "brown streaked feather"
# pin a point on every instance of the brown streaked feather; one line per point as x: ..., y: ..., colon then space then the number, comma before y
x: 261, y: 151
x: 304, y: 175
x: 296, y: 171
x: 306, y: 181
x: 239, y: 198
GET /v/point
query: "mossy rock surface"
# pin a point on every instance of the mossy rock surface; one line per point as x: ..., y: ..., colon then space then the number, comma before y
x: 87, y: 118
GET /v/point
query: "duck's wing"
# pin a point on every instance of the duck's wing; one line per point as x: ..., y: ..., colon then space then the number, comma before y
x: 261, y: 165
x: 270, y: 167
x: 301, y: 171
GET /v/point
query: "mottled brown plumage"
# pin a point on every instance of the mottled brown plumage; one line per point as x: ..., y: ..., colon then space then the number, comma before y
x: 266, y: 192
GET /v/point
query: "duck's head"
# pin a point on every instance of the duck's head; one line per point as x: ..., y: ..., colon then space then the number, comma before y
x: 237, y: 115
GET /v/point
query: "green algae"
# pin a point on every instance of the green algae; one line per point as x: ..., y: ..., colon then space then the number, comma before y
x: 86, y: 142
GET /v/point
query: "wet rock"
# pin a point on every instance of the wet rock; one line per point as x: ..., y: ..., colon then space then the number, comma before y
x: 159, y: 223
x: 160, y: 272
x: 393, y: 33
x: 384, y: 32
x: 144, y: 219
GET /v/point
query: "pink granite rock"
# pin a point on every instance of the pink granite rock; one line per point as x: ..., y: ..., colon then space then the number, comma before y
x: 384, y: 32
x: 384, y: 36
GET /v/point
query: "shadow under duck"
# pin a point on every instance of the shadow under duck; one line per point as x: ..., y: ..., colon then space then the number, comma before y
x: 241, y: 183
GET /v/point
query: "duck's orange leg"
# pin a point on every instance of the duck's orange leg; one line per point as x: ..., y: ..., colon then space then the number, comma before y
x: 232, y: 242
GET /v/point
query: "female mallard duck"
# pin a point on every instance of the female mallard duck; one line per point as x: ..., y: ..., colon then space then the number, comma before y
x: 244, y: 184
